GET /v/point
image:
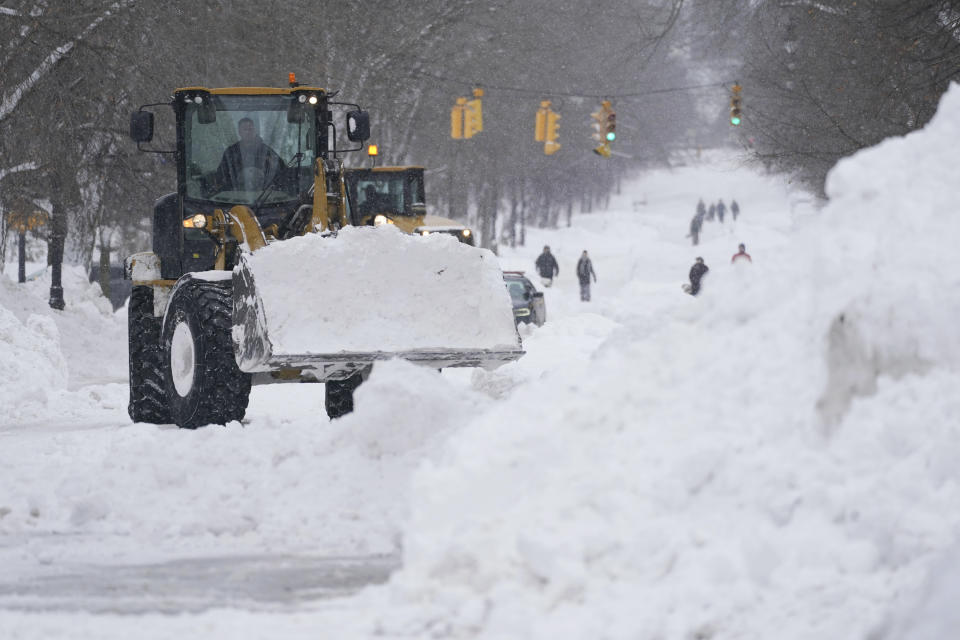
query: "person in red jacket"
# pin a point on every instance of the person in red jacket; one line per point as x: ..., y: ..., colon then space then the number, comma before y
x: 741, y: 255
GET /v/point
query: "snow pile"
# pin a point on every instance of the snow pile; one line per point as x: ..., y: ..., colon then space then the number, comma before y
x: 699, y: 478
x: 377, y: 289
x: 31, y: 364
x: 306, y: 485
x: 43, y: 352
x: 900, y: 285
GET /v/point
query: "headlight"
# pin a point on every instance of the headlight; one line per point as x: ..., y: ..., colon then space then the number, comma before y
x: 379, y: 220
x: 466, y: 233
x: 521, y: 312
x: 424, y: 233
x: 198, y: 221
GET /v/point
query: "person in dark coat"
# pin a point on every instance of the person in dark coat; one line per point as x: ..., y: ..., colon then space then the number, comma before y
x: 734, y: 210
x: 701, y: 209
x: 584, y: 272
x: 711, y: 211
x: 697, y: 271
x: 248, y: 164
x: 721, y: 209
x: 695, y: 225
x: 547, y: 267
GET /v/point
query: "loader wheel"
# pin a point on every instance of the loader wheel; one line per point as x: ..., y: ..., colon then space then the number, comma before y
x: 148, y: 398
x: 203, y: 383
x: 339, y: 395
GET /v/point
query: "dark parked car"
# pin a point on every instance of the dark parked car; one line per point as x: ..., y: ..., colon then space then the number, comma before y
x: 528, y: 305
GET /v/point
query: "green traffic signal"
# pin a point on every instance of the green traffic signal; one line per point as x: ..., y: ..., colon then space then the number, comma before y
x: 611, y: 136
x: 734, y: 120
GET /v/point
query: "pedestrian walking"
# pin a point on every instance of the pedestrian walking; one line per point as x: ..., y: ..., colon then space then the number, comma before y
x: 584, y: 273
x: 695, y: 225
x: 697, y: 271
x: 741, y: 254
x: 712, y: 211
x: 721, y: 210
x: 734, y: 210
x: 701, y: 209
x: 547, y: 267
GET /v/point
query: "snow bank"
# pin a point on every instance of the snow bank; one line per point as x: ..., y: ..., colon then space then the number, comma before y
x: 31, y: 364
x: 44, y: 352
x: 301, y: 485
x: 377, y: 289
x: 775, y: 454
x: 898, y: 286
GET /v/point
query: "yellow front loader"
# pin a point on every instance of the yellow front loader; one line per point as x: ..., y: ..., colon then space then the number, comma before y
x: 255, y: 276
x: 397, y: 196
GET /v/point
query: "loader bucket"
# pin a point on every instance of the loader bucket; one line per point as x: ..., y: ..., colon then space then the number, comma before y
x: 335, y: 304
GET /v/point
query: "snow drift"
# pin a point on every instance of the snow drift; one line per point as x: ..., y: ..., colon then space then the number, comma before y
x: 709, y: 497
x: 777, y: 455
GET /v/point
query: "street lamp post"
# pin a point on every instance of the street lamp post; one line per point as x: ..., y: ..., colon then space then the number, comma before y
x: 23, y: 222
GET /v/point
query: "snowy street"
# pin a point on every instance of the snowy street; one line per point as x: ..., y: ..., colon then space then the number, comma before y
x: 777, y: 453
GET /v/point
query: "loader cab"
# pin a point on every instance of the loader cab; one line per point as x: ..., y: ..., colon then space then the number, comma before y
x: 396, y: 195
x: 250, y: 148
x: 257, y: 147
x: 386, y: 195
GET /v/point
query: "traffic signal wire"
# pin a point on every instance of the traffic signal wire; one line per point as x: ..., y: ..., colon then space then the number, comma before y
x: 599, y: 96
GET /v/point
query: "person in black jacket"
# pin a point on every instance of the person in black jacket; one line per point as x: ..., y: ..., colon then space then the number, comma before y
x: 547, y: 267
x: 584, y: 272
x: 697, y: 271
x: 695, y: 225
x: 248, y: 164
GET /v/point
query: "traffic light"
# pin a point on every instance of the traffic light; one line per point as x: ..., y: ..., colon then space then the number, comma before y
x: 540, y: 126
x: 473, y: 115
x: 598, y: 124
x: 456, y: 119
x: 466, y: 117
x: 551, y: 146
x: 611, y: 127
x: 604, y: 128
x: 735, y: 104
x: 547, y: 128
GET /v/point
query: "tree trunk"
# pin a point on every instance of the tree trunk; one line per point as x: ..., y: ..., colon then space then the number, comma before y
x: 105, y: 269
x: 58, y: 237
x: 512, y: 227
x: 22, y: 259
x: 523, y: 213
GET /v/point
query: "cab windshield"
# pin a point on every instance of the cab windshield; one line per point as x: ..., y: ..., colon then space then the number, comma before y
x: 250, y: 153
x: 393, y: 193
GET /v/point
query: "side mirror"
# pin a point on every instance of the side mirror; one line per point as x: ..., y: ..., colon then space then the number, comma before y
x: 141, y: 126
x: 538, y: 294
x: 358, y: 125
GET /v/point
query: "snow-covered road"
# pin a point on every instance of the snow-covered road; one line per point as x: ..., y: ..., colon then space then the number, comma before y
x: 777, y: 453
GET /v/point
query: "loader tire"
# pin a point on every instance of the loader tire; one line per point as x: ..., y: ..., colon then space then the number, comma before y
x: 339, y: 395
x: 203, y: 383
x: 148, y: 397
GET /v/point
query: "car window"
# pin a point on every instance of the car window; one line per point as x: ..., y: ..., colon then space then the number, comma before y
x: 517, y: 290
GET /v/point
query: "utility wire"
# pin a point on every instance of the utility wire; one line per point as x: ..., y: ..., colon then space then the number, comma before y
x: 542, y: 93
